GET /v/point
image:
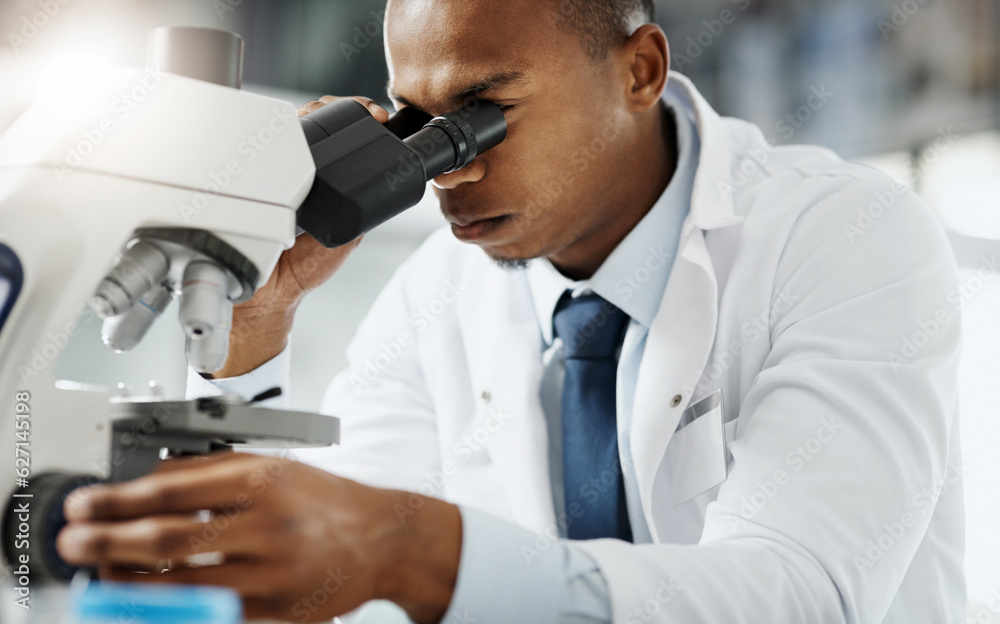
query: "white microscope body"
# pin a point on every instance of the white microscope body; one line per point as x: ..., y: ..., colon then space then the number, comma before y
x: 175, y: 185
x: 194, y: 184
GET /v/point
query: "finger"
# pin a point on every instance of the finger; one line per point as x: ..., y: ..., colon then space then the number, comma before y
x: 248, y: 577
x: 205, y: 484
x: 379, y: 113
x: 309, y: 107
x: 369, y: 103
x: 149, y: 541
x: 184, y: 463
x: 76, y: 504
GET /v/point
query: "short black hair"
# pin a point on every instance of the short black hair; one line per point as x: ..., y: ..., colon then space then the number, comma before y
x: 603, y: 24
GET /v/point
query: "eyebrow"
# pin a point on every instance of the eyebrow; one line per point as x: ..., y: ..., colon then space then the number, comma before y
x: 494, y: 81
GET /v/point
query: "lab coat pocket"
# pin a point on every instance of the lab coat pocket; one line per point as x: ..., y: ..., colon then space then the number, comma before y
x: 697, y: 455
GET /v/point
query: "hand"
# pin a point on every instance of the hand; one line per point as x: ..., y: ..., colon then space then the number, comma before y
x: 262, y: 324
x: 296, y: 542
x: 307, y: 265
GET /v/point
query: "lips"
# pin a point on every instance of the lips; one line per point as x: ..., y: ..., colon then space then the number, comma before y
x: 467, y: 221
x: 472, y: 229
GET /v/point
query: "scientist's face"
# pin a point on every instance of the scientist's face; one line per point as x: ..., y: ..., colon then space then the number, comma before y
x: 555, y: 186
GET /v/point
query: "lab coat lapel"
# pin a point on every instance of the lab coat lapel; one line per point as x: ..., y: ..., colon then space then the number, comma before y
x: 504, y: 354
x: 682, y: 334
x: 677, y: 349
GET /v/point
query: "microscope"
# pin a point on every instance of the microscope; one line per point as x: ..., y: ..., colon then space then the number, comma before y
x: 180, y: 186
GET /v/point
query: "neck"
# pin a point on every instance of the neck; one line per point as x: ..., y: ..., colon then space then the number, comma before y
x: 651, y: 162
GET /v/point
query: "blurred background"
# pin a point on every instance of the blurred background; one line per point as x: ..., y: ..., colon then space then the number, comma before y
x: 911, y: 87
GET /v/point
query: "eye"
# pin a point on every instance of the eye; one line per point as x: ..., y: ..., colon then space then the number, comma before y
x: 508, y: 108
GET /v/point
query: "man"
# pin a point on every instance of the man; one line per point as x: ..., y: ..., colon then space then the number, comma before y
x: 722, y: 389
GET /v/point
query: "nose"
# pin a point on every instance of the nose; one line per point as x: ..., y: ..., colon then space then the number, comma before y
x: 474, y: 172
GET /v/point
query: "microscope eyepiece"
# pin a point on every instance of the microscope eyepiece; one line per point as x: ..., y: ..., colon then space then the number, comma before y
x: 472, y: 129
x: 367, y: 173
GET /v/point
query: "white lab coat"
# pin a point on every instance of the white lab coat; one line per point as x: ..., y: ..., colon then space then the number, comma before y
x: 814, y: 293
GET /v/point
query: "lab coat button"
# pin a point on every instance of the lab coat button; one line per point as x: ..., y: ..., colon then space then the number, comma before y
x: 486, y: 396
x: 674, y: 402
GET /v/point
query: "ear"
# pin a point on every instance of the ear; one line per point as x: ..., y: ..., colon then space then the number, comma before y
x: 648, y: 59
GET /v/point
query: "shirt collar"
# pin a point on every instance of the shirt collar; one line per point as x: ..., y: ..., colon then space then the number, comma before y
x: 634, y: 276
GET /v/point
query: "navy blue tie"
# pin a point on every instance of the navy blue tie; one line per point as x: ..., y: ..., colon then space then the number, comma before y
x: 591, y: 330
